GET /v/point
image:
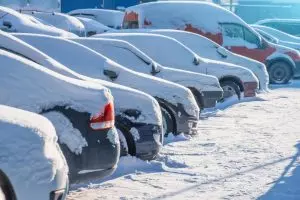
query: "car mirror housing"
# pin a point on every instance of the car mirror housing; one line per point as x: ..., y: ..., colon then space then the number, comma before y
x: 110, y: 74
x: 154, y: 69
x: 222, y: 52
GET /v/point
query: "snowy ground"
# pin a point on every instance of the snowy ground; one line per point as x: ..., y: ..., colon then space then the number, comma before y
x: 248, y: 151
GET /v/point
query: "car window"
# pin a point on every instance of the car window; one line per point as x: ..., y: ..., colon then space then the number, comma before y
x: 251, y: 38
x: 233, y: 35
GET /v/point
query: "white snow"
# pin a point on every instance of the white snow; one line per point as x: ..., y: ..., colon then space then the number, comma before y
x: 131, y: 57
x: 30, y: 155
x: 135, y: 133
x: 26, y: 24
x: 45, y: 5
x: 180, y: 56
x: 113, y: 137
x: 67, y: 133
x: 61, y: 21
x: 93, y: 26
x: 125, y: 97
x: 110, y: 18
x: 248, y: 151
x: 97, y: 63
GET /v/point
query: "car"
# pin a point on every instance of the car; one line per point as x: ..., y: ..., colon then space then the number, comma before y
x: 275, y: 40
x: 179, y: 107
x: 47, y: 5
x: 290, y: 26
x: 206, y: 89
x: 207, y: 48
x: 138, y: 116
x: 59, y: 20
x: 82, y: 113
x: 225, y: 28
x: 110, y: 18
x: 93, y: 27
x: 233, y: 79
x: 31, y: 163
x: 13, y: 21
x: 280, y: 35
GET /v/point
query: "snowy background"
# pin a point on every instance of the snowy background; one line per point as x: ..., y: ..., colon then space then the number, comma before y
x: 248, y: 150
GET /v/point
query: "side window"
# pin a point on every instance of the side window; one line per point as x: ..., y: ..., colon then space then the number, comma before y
x: 251, y: 38
x: 233, y: 35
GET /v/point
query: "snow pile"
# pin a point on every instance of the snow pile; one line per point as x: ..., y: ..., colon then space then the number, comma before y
x: 26, y: 24
x: 28, y: 147
x: 180, y: 57
x: 176, y: 138
x: 110, y: 18
x: 92, y: 64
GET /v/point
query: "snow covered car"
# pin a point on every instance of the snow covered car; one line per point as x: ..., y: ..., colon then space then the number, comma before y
x: 180, y: 109
x: 224, y: 28
x: 233, y: 79
x: 290, y: 26
x: 277, y: 33
x: 13, y: 21
x: 60, y: 20
x: 81, y: 112
x: 93, y: 27
x: 275, y: 40
x: 138, y: 116
x: 207, y: 48
x: 49, y: 5
x: 206, y: 89
x: 31, y: 163
x: 110, y: 18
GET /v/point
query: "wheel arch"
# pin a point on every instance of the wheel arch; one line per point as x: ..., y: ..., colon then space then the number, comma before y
x: 164, y: 104
x: 236, y: 80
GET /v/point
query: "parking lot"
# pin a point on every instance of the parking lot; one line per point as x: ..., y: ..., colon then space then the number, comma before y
x: 237, y: 155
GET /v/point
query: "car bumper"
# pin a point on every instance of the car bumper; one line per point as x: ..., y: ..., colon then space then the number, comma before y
x: 97, y: 160
x: 297, y: 69
x: 150, y: 141
x: 210, y: 98
x: 187, y: 125
x: 250, y: 89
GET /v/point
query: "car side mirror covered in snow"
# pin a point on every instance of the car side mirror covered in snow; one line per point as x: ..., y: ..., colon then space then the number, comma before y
x: 7, y: 24
x: 154, y: 69
x: 110, y: 74
x: 222, y: 52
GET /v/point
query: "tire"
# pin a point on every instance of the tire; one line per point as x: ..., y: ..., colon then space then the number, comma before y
x: 126, y: 141
x: 280, y: 73
x: 6, y: 191
x: 230, y: 89
x: 168, y: 122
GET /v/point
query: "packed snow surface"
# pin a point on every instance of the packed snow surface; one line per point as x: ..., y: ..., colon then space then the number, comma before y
x: 249, y: 150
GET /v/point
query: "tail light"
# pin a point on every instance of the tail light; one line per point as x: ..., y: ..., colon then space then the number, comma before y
x: 105, y: 119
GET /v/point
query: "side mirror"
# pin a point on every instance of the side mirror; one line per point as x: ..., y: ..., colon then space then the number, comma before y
x: 7, y: 24
x: 222, y: 52
x: 110, y: 74
x: 155, y: 69
x: 196, y: 61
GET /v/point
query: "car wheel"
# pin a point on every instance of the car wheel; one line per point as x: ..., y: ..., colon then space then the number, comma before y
x: 280, y: 73
x: 126, y: 141
x: 168, y: 124
x: 230, y: 89
x: 6, y: 192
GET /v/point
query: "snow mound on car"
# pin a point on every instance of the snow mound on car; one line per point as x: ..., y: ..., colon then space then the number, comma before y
x: 28, y: 146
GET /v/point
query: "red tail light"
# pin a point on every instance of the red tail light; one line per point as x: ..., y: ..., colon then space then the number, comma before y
x: 105, y: 119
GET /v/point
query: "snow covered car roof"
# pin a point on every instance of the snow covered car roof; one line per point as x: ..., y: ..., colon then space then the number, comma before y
x: 92, y: 26
x: 36, y: 174
x: 13, y: 21
x: 277, y: 33
x: 160, y: 12
x: 264, y: 21
x: 98, y: 66
x: 60, y: 20
x: 110, y: 18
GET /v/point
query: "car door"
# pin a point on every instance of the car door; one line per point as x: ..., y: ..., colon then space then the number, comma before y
x: 241, y: 40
